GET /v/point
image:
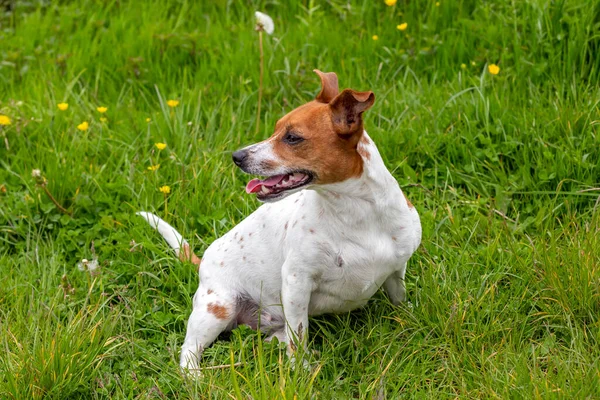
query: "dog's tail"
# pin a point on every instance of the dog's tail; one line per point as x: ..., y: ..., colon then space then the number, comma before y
x: 173, y: 238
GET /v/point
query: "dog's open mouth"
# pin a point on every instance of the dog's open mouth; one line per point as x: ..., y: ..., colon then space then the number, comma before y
x: 274, y: 186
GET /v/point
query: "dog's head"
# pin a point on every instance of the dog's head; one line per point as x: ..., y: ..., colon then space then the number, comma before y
x: 314, y: 144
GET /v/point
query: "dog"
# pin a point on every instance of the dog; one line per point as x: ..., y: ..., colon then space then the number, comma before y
x: 334, y: 228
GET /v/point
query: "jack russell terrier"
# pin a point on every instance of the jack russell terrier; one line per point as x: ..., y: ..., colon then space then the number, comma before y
x: 336, y: 227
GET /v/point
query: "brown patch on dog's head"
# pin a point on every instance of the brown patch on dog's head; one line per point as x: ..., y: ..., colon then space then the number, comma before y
x: 219, y: 311
x: 321, y: 136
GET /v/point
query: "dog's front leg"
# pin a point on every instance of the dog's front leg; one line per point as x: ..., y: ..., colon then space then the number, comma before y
x: 296, y: 289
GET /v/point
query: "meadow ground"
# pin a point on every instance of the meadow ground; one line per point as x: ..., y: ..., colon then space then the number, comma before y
x: 504, y: 169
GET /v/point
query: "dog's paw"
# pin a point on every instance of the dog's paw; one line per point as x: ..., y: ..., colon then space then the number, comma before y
x: 279, y: 335
x: 190, y: 360
x: 193, y: 373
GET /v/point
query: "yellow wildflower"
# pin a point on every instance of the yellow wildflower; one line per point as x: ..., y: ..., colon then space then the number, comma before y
x: 165, y: 189
x: 62, y: 106
x: 153, y: 167
x: 494, y: 69
x: 402, y: 27
x: 473, y: 63
x: 390, y: 2
x: 148, y: 120
x: 102, y: 110
x: 173, y: 103
x: 83, y: 126
x: 375, y: 37
x: 160, y: 146
x: 5, y: 120
x: 463, y: 66
x: 437, y: 3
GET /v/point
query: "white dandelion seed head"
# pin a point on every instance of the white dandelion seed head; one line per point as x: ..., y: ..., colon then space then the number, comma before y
x: 36, y: 173
x: 88, y: 265
x: 264, y: 22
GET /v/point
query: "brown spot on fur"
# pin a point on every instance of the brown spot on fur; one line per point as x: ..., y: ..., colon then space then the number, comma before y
x: 364, y: 140
x: 209, y: 291
x: 408, y: 201
x: 244, y: 258
x: 394, y: 238
x: 219, y: 311
x: 250, y: 234
x: 311, y: 230
x: 222, y: 263
x: 186, y: 254
x: 286, y: 225
x: 364, y: 153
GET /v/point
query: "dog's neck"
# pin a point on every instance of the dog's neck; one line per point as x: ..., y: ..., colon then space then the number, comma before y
x: 376, y: 189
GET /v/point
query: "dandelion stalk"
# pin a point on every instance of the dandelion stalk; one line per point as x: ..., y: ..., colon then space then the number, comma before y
x: 56, y: 203
x: 165, y: 190
x: 264, y: 23
x: 260, y: 82
x: 5, y: 121
x: 5, y: 139
x: 41, y: 182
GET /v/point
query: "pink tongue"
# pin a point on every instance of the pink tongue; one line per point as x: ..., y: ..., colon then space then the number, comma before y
x: 255, y: 184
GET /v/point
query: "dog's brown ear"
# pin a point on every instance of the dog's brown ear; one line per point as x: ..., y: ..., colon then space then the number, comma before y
x: 347, y: 109
x: 329, y: 86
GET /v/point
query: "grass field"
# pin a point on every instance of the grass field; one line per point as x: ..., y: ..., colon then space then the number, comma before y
x: 504, y: 293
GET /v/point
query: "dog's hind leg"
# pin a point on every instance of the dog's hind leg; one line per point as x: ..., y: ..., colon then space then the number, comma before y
x: 394, y: 286
x: 212, y: 314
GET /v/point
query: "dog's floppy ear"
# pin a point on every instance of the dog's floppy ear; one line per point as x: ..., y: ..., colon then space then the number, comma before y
x: 347, y: 109
x: 329, y: 86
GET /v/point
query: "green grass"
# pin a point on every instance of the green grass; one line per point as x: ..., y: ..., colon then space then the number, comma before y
x: 504, y: 169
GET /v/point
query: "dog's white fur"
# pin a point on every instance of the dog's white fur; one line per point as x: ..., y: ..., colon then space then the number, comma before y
x: 325, y: 249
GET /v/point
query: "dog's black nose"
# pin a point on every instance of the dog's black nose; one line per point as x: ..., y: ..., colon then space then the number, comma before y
x: 239, y: 157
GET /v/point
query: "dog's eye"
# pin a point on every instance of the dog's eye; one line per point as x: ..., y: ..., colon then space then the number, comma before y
x: 292, y: 138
